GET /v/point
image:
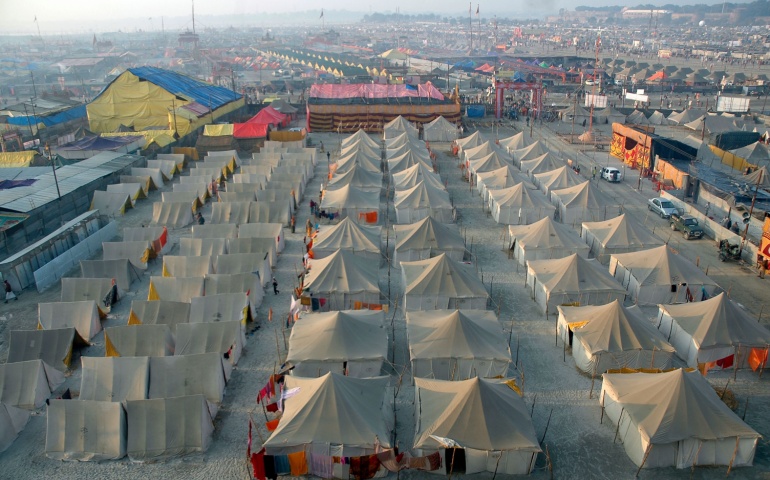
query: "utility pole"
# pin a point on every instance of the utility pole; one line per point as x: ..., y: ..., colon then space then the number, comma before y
x: 470, y: 24
x: 751, y: 210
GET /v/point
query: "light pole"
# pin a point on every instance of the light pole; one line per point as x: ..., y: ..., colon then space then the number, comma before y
x: 53, y: 168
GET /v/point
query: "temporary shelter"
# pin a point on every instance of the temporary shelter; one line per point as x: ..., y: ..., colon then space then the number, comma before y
x: 81, y: 289
x: 516, y: 205
x: 159, y: 312
x: 27, y: 384
x: 358, y: 158
x: 357, y: 177
x: 85, y: 430
x: 609, y: 115
x: 572, y: 280
x: 496, y: 179
x: 83, y: 316
x: 54, y: 347
x: 361, y: 206
x: 223, y: 307
x: 638, y: 118
x: 190, y: 196
x: 248, y: 283
x: 617, y: 235
x: 456, y: 344
x: 119, y: 269
x: 264, y: 230
x: 415, y: 174
x: 405, y: 160
x: 398, y: 126
x: 136, y: 252
x: 360, y: 136
x: 486, y: 418
x: 544, y: 239
x: 583, y: 203
x: 427, y: 238
x: 152, y: 340
x: 167, y: 167
x: 197, y: 247
x: 114, y: 379
x: 226, y: 230
x: 373, y: 152
x: 186, y: 266
x: 439, y: 130
x: 343, y: 279
x: 487, y: 163
x: 181, y: 375
x: 472, y: 140
x: 267, y: 212
x: 255, y: 263
x: 230, y: 212
x: 12, y: 422
x: 611, y: 337
x: 156, y: 236
x: 254, y: 245
x: 441, y: 283
x: 423, y: 200
x: 174, y: 215
x: 479, y: 151
x: 544, y: 163
x: 177, y: 289
x: 563, y: 177
x: 714, y: 333
x: 658, y: 276
x: 199, y: 188
x: 756, y: 153
x: 514, y: 142
x: 225, y: 338
x: 353, y: 414
x: 350, y: 342
x: 530, y: 152
x: 675, y: 419
x: 163, y: 428
x: 111, y: 204
x: 362, y: 240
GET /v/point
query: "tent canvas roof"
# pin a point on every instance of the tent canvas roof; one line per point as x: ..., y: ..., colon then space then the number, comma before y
x: 356, y: 176
x: 422, y: 195
x: 563, y: 177
x: 472, y: 140
x: 349, y: 196
x: 349, y: 235
x: 159, y: 312
x: 514, y: 142
x: 583, y: 195
x: 114, y: 379
x: 674, y: 406
x: 660, y: 266
x: 53, y: 347
x: 27, y: 384
x: 456, y: 333
x: 341, y: 336
x: 518, y: 196
x: 428, y: 232
x: 441, y: 275
x: 622, y: 231
x: 546, y: 234
x: 574, y: 274
x: 415, y: 174
x: 360, y: 136
x: 753, y: 153
x: 342, y: 271
x: 499, y: 417
x: 544, y: 163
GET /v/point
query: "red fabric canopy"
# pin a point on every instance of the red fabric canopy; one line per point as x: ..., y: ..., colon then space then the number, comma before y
x: 250, y: 130
x: 270, y: 116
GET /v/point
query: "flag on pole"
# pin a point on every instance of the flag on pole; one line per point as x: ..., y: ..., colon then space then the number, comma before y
x: 477, y: 9
x: 322, y: 13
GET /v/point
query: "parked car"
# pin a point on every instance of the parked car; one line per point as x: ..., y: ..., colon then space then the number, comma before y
x: 662, y: 207
x: 611, y: 174
x: 686, y: 224
x: 590, y: 82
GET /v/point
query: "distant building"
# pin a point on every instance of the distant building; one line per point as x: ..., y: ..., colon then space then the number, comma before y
x: 629, y: 14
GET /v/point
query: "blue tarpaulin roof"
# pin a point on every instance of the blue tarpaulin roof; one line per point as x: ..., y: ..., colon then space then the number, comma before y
x: 187, y: 87
x: 50, y: 120
x: 99, y: 143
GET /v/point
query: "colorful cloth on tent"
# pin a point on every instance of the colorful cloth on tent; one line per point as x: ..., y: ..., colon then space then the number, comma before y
x: 297, y: 463
x: 272, y: 424
x: 282, y: 465
x: 321, y: 465
x: 365, y: 467
x: 757, y: 358
x: 6, y: 184
x: 726, y: 362
x: 391, y: 461
x: 269, y: 461
x: 258, y: 465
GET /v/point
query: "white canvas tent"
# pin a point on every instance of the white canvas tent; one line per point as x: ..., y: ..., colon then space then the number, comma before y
x: 496, y: 179
x: 530, y: 152
x: 398, y: 126
x: 407, y: 159
x: 164, y: 428
x: 177, y: 289
x: 225, y: 338
x: 222, y: 307
x: 27, y: 384
x: 612, y: 337
x: 514, y: 142
x: 145, y: 340
x: 202, y: 246
x: 85, y: 430
x: 675, y: 419
x: 267, y: 212
x: 230, y: 212
x: 583, y: 203
x: 415, y: 174
x: 178, y: 197
x: 658, y: 276
x: 119, y: 269
x: 562, y: 177
x: 348, y: 201
x: 112, y: 204
x: 183, y: 375
x: 156, y: 236
x: 362, y: 137
x: 137, y: 252
x: 361, y: 146
x: 350, y: 342
x: 54, y: 347
x: 517, y: 205
x: 173, y: 215
x: 254, y: 245
x: 544, y: 163
x: 358, y: 158
x: 456, y: 344
x: 485, y: 417
x: 439, y: 130
x: 342, y: 279
x: 264, y: 230
x: 12, y: 422
x: 81, y: 289
x: 479, y: 151
x: 133, y: 190
x: 83, y: 316
x: 159, y: 312
x: 572, y: 280
x: 621, y: 234
x: 114, y: 379
x: 362, y: 240
x: 255, y: 263
x: 441, y: 283
x: 423, y: 200
x: 465, y: 143
x: 427, y: 238
x: 352, y: 413
x: 544, y: 239
x: 227, y: 197
x: 186, y: 266
x: 357, y: 177
x: 714, y: 333
x: 247, y: 283
x: 227, y: 230
x: 487, y: 163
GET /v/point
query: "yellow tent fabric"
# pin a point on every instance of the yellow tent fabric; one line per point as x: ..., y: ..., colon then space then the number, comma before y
x: 218, y: 130
x: 16, y: 159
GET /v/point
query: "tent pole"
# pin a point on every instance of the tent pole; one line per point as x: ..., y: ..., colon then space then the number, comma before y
x: 646, y: 454
x: 735, y: 452
x: 617, y: 429
x: 593, y: 377
x: 546, y: 426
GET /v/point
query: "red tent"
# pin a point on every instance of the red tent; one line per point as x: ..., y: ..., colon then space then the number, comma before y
x: 250, y: 130
x: 659, y: 75
x: 270, y: 116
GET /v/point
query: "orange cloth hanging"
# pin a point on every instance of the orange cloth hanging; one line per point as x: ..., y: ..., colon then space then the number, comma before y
x: 757, y: 358
x: 272, y: 424
x: 298, y: 463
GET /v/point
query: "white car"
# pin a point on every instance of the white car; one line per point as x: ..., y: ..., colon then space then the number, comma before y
x: 611, y: 174
x: 590, y: 82
x: 662, y: 207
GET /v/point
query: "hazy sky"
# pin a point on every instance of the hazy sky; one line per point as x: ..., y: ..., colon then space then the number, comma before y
x: 18, y: 15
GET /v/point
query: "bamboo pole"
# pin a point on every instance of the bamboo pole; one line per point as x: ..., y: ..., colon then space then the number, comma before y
x: 735, y: 452
x: 546, y: 426
x: 646, y: 454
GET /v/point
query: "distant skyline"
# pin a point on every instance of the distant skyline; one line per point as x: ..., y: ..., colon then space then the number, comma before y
x: 72, y: 16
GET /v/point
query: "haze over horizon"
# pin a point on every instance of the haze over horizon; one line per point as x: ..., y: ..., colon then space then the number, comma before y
x: 82, y: 16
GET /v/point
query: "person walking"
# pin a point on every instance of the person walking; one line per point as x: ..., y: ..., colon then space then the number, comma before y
x: 293, y: 224
x: 275, y: 286
x: 593, y: 172
x: 762, y: 271
x: 9, y: 295
x: 308, y: 228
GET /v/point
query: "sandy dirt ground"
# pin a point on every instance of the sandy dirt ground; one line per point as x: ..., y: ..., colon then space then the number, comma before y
x: 579, y: 444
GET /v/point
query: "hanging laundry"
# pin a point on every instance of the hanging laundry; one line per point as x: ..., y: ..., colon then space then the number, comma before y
x: 320, y: 465
x: 365, y: 467
x: 726, y: 362
x: 757, y: 358
x: 270, y: 473
x: 297, y: 463
x: 282, y: 465
x: 258, y: 465
x: 272, y: 424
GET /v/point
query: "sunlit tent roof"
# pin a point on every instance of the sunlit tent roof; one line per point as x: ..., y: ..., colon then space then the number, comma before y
x: 85, y: 430
x: 347, y: 235
x: 27, y: 384
x: 440, y: 283
x: 426, y: 238
x: 54, y: 347
x: 114, y: 379
x: 621, y: 234
x: 544, y: 239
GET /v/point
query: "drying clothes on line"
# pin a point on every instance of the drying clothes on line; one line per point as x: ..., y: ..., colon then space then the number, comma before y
x: 757, y: 358
x: 726, y: 362
x: 282, y: 465
x: 297, y: 463
x: 393, y: 462
x: 272, y: 424
x: 363, y: 468
x: 258, y: 465
x: 321, y: 465
x: 270, y: 467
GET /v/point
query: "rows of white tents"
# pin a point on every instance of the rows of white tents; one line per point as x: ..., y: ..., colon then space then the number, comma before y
x: 156, y: 392
x: 338, y: 346
x: 545, y: 203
